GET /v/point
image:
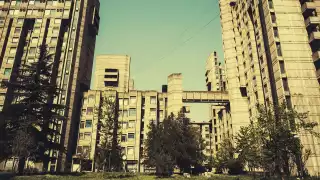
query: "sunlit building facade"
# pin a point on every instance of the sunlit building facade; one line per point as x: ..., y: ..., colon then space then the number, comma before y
x: 270, y: 53
x: 69, y: 29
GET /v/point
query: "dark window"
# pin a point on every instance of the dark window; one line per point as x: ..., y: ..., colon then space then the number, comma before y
x: 275, y: 32
x: 111, y: 83
x: 111, y: 70
x: 279, y: 49
x: 289, y: 103
x: 273, y: 17
x: 123, y: 138
x: 285, y: 84
x: 88, y: 123
x: 282, y: 69
x: 270, y: 4
x: 110, y: 76
x: 82, y: 124
x: 130, y: 135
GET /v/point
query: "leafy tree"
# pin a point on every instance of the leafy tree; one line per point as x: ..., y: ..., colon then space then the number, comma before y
x: 272, y: 140
x: 156, y: 153
x: 174, y: 142
x: 224, y: 156
x: 108, y: 152
x: 248, y: 143
x: 31, y: 113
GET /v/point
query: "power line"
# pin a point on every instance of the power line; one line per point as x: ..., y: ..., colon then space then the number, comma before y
x: 187, y: 40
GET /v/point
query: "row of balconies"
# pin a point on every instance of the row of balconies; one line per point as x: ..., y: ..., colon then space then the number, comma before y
x: 33, y: 4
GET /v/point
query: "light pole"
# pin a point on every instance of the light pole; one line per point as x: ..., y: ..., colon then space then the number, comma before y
x: 296, y: 136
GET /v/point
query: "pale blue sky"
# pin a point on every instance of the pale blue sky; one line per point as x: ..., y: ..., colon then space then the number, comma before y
x: 162, y: 37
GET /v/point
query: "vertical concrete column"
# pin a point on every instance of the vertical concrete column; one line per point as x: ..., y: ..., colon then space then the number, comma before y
x: 174, y: 93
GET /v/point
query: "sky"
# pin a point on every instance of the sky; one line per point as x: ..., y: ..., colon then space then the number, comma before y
x: 162, y: 37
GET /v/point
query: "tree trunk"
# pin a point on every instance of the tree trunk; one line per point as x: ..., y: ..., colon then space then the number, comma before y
x: 22, y: 162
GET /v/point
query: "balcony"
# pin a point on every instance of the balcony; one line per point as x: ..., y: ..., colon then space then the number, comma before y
x: 316, y: 56
x: 314, y: 37
x: 307, y: 8
x: 312, y: 22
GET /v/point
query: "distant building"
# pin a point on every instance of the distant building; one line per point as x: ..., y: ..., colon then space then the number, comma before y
x: 137, y: 109
x: 112, y: 72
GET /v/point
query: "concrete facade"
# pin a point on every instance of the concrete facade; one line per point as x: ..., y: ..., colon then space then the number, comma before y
x: 269, y: 60
x: 112, y: 73
x: 69, y: 29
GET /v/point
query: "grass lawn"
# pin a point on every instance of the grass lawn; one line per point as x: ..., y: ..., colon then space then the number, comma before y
x: 98, y: 176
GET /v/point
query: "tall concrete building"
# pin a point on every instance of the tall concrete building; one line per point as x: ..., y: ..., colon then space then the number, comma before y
x: 268, y: 59
x: 112, y: 73
x: 69, y: 29
x: 215, y: 75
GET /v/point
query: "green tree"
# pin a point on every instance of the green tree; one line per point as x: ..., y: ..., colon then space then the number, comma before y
x: 156, y: 153
x: 225, y: 157
x: 31, y: 115
x: 271, y: 143
x: 248, y: 144
x: 174, y: 142
x: 108, y: 151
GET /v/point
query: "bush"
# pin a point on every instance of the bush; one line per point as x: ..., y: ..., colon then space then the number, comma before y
x: 235, y: 167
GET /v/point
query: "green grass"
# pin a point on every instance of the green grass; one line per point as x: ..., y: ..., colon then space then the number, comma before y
x: 123, y: 176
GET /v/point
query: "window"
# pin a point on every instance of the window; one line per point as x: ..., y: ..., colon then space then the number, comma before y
x: 57, y: 21
x: 273, y: 17
x: 270, y: 4
x: 132, y: 112
x: 55, y: 31
x: 53, y: 40
x: 125, y: 102
x: 153, y: 100
x: 288, y: 101
x: 13, y: 50
x: 282, y: 69
x: 32, y: 50
x: 88, y: 123
x: 89, y: 111
x: 81, y: 136
x: 133, y: 99
x: 123, y: 138
x: 82, y: 124
x: 91, y: 98
x: 131, y: 124
x: 207, y: 135
x: 10, y: 60
x: 206, y: 129
x: 36, y: 30
x: 153, y: 112
x: 20, y: 21
x: 161, y: 113
x: 130, y: 150
x: 87, y: 136
x: 34, y: 40
x: 124, y: 125
x: 279, y: 49
x: 275, y: 32
x: 285, y: 84
x: 130, y: 136
x: 125, y: 113
x: 17, y: 30
x: 7, y: 71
